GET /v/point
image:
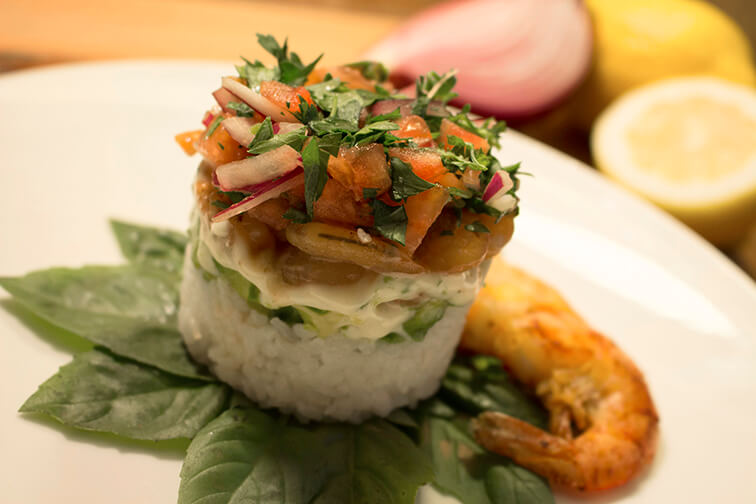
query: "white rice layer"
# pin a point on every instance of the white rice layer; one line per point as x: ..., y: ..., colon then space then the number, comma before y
x: 294, y: 370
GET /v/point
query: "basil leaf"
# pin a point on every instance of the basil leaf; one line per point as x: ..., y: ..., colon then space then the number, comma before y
x: 149, y: 246
x: 404, y: 182
x: 316, y: 174
x: 390, y: 221
x: 131, y: 310
x: 471, y: 474
x: 477, y: 384
x: 247, y: 455
x: 241, y: 109
x: 424, y: 318
x: 101, y: 392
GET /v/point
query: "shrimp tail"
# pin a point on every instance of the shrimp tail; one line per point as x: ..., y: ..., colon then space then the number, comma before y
x: 531, y: 447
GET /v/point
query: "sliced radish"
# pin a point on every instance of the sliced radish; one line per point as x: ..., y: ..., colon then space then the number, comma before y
x: 258, y: 102
x: 499, y: 185
x: 255, y: 170
x: 515, y: 58
x: 505, y: 204
x: 239, y: 129
x: 496, y: 195
x: 270, y: 190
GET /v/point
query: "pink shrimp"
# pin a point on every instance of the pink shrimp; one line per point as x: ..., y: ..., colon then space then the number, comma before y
x: 603, y: 421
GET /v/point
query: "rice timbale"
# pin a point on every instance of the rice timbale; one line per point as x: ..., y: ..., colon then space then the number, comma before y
x: 340, y: 233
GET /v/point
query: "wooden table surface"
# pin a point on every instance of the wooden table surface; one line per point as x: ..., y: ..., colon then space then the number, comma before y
x: 48, y: 31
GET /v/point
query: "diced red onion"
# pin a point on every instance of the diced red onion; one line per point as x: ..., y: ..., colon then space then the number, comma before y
x: 499, y: 185
x: 257, y: 169
x: 515, y: 58
x: 269, y: 190
x: 283, y: 128
x: 258, y: 102
x: 239, y: 129
x: 208, y: 119
x: 223, y: 97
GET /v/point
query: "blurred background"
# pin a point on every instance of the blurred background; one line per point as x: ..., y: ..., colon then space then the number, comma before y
x: 588, y: 77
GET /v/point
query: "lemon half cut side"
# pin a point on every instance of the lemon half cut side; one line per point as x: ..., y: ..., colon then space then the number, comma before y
x: 688, y: 145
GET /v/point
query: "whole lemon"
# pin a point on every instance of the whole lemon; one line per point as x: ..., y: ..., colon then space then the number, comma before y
x: 641, y: 41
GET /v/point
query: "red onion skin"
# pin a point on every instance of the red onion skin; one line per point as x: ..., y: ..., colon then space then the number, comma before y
x: 266, y: 191
x: 512, y: 71
x: 246, y: 172
x: 208, y: 119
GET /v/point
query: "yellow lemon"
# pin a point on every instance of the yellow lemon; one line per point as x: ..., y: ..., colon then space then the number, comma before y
x: 641, y: 41
x: 689, y: 145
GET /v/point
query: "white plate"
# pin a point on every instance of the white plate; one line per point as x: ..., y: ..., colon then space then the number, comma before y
x: 82, y: 143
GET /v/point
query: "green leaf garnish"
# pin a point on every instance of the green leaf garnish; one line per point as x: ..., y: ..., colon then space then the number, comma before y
x: 247, y: 455
x: 291, y: 69
x: 296, y: 216
x: 371, y: 70
x: 404, y: 182
x: 391, y: 222
x: 241, y: 109
x: 131, y: 310
x: 213, y: 126
x: 102, y: 392
x: 316, y: 174
x: 161, y: 249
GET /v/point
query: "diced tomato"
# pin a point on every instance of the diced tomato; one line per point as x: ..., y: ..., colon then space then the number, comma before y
x: 352, y: 77
x: 219, y: 148
x: 188, y: 140
x: 450, y: 180
x: 425, y: 163
x: 414, y: 127
x: 361, y: 167
x: 336, y: 204
x: 284, y: 96
x: 448, y: 128
x: 422, y: 210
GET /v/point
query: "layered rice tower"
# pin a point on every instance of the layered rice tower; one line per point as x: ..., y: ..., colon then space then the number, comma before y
x: 340, y: 235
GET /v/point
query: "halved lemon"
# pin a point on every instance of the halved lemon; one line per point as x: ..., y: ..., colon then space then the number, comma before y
x: 688, y: 145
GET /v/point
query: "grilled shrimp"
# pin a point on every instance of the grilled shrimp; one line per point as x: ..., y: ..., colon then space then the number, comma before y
x: 602, y: 419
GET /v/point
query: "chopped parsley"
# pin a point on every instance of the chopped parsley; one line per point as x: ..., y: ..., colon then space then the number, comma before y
x: 290, y: 67
x: 404, y: 182
x: 316, y: 174
x: 340, y: 118
x: 241, y: 109
x: 391, y: 222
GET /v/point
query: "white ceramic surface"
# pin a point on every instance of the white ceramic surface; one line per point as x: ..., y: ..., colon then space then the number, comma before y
x: 82, y: 143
